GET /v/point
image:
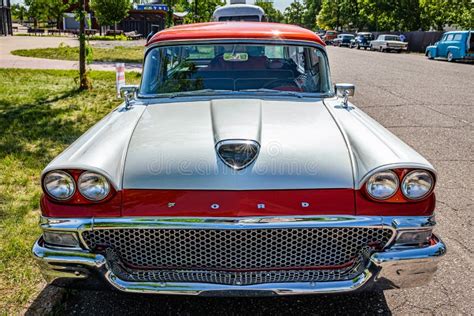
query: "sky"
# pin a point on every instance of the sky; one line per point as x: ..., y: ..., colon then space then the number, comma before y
x: 279, y: 4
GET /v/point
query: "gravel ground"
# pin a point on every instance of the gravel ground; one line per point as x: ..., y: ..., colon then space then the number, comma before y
x: 428, y: 104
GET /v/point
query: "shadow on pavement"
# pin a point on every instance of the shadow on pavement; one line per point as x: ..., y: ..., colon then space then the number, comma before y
x: 112, y: 303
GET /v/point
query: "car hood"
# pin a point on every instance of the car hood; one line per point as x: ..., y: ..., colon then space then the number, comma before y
x: 173, y: 146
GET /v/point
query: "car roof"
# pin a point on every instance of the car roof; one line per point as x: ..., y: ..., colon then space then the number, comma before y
x: 235, y: 30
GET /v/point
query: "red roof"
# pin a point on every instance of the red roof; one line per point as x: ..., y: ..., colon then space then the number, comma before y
x: 237, y: 30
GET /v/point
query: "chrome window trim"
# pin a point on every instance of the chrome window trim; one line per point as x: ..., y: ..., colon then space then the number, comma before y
x: 331, y: 93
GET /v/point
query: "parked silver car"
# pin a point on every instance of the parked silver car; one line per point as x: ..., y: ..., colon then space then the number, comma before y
x: 238, y: 168
x: 388, y: 43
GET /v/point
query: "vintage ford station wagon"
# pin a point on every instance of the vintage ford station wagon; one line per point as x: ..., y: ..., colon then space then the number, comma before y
x: 237, y: 167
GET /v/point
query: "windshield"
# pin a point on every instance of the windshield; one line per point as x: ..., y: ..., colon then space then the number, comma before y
x: 392, y: 38
x: 224, y: 68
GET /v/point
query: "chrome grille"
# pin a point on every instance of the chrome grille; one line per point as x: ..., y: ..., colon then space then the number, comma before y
x: 236, y: 277
x: 238, y: 249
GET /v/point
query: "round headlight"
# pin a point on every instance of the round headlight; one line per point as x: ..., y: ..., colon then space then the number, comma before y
x: 382, y: 185
x: 59, y: 185
x: 417, y: 184
x: 93, y: 186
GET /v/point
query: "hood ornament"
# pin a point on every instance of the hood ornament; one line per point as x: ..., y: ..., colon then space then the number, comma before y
x: 237, y: 153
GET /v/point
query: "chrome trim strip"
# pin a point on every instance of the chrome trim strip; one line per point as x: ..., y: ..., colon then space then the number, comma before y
x: 80, y: 225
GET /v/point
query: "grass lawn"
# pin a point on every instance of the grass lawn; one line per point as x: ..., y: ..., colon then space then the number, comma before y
x: 132, y: 54
x: 41, y: 113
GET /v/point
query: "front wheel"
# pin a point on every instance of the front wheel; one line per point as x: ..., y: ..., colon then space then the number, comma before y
x: 381, y: 49
x: 450, y: 57
x: 430, y: 55
x: 358, y: 46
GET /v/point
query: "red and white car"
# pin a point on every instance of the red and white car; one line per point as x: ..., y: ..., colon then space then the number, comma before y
x: 238, y: 167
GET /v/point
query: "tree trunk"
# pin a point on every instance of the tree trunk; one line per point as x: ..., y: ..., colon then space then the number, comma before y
x: 84, y: 82
x: 195, y: 11
x: 115, y: 30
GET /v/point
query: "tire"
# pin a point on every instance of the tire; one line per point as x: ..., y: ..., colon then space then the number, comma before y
x: 381, y: 49
x: 358, y: 46
x: 429, y: 55
x: 450, y: 57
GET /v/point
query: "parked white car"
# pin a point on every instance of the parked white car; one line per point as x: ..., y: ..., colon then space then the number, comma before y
x: 386, y: 42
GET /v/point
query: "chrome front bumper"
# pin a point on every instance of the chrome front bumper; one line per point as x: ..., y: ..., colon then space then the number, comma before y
x: 394, y: 267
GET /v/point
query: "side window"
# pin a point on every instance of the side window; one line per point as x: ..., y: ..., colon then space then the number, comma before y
x: 297, y: 55
x: 457, y: 37
x: 450, y: 37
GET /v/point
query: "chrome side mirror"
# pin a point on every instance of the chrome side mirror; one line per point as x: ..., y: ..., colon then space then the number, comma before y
x: 128, y: 92
x: 344, y: 91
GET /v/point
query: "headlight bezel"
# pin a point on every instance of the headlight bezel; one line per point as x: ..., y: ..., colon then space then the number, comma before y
x: 410, y: 173
x: 401, y: 173
x: 67, y: 175
x: 396, y: 181
x: 108, y: 186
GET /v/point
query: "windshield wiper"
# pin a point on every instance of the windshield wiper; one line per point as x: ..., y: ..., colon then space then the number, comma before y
x: 292, y: 93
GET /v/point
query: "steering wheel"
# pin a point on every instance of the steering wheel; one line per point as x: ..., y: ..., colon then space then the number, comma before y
x: 281, y: 83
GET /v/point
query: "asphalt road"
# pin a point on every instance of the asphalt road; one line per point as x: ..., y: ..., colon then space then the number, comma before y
x: 428, y: 104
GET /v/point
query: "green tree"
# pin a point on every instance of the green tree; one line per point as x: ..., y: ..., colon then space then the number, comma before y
x: 462, y: 15
x: 55, y: 10
x: 110, y: 12
x: 328, y: 17
x: 200, y: 10
x: 272, y: 14
x: 37, y: 10
x: 440, y: 13
x: 295, y: 13
x: 312, y: 10
x: 19, y: 12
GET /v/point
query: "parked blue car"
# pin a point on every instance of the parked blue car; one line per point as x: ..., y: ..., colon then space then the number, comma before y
x: 455, y: 45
